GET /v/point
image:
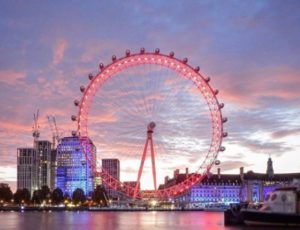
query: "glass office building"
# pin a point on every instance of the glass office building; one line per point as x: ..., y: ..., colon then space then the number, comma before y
x: 76, y: 164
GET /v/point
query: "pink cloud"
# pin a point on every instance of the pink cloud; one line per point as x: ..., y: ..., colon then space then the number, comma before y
x: 95, y: 48
x: 109, y: 117
x: 285, y: 133
x: 59, y: 51
x: 280, y: 81
x: 10, y: 127
x: 12, y: 77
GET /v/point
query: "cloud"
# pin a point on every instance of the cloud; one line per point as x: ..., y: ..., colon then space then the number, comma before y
x: 257, y: 146
x: 251, y: 54
x: 12, y: 77
x: 8, y: 175
x: 13, y: 127
x: 95, y: 49
x: 231, y: 165
x: 59, y: 51
x: 251, y: 90
x: 285, y: 133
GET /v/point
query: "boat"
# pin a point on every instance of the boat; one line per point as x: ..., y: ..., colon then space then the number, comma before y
x: 280, y: 208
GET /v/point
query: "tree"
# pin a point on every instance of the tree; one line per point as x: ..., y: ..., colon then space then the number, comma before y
x: 57, y: 196
x: 22, y: 196
x: 78, y: 196
x: 5, y: 193
x: 45, y: 192
x: 37, y: 197
x: 99, y: 195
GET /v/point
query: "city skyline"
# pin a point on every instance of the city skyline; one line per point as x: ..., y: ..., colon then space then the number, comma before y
x: 251, y: 51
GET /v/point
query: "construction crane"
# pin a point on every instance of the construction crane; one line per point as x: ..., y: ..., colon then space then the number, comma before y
x: 54, y: 130
x: 35, y: 127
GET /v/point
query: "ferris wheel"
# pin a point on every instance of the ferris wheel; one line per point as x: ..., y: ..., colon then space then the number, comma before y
x: 151, y: 105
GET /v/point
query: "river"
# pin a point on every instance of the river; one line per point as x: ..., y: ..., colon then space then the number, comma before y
x: 116, y: 220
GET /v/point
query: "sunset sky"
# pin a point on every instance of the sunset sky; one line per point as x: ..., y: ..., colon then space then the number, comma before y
x: 250, y: 49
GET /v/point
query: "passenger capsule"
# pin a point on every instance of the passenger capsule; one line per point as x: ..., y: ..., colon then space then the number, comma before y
x: 224, y: 119
x: 91, y: 76
x: 216, y: 91
x: 142, y: 50
x: 222, y: 148
x: 221, y: 106
x: 114, y: 58
x: 171, y: 54
x: 197, y: 69
x: 185, y: 60
x: 207, y: 79
x: 217, y: 162
x: 82, y: 88
x: 74, y: 118
x: 74, y: 133
x: 127, y: 52
x: 76, y: 102
x: 157, y: 51
x: 225, y: 134
x: 101, y: 66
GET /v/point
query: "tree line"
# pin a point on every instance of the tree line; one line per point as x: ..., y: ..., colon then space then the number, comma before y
x: 55, y: 197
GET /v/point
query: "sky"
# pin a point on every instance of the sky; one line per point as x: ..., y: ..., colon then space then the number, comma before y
x: 250, y: 49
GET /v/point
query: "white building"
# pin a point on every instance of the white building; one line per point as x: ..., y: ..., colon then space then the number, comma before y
x: 28, y: 161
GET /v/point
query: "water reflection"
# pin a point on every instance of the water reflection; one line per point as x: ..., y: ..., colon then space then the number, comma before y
x: 116, y: 220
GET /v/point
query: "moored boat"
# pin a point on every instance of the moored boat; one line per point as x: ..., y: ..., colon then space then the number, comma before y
x: 281, y: 208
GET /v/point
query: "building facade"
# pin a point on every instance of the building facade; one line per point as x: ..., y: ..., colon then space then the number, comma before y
x: 53, y: 166
x: 256, y: 186
x: 225, y: 189
x: 112, y: 167
x: 28, y: 162
x: 44, y: 149
x: 76, y: 163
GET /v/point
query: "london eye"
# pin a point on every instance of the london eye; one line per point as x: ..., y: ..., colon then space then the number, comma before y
x: 156, y: 114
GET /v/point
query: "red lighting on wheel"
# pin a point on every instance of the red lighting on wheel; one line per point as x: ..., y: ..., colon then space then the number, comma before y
x: 182, y: 69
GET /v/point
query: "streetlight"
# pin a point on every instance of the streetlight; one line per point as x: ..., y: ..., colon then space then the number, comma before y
x: 153, y: 203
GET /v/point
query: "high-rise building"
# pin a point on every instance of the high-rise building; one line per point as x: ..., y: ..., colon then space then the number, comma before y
x: 28, y: 161
x: 44, y: 150
x: 112, y: 167
x: 76, y: 161
x: 53, y: 169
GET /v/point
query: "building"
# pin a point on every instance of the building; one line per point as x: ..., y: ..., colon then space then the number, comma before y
x: 44, y: 150
x: 53, y: 166
x: 76, y: 163
x: 270, y: 170
x: 112, y: 167
x: 217, y: 188
x: 230, y: 188
x: 28, y: 162
x: 256, y: 186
